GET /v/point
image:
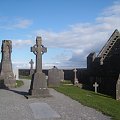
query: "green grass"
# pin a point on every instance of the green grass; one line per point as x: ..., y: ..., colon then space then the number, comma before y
x: 66, y: 82
x: 19, y: 83
x: 100, y: 102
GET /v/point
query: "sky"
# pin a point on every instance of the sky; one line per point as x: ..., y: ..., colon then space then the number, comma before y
x: 70, y: 29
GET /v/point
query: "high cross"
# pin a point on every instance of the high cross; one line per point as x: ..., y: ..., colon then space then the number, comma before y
x: 31, y: 64
x: 38, y: 49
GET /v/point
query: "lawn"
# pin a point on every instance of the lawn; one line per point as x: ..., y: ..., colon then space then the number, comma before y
x: 100, y: 102
x: 19, y: 83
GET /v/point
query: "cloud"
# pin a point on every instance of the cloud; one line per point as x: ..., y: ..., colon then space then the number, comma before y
x: 20, y: 64
x: 14, y: 23
x: 22, y: 24
x: 21, y: 43
x: 83, y: 38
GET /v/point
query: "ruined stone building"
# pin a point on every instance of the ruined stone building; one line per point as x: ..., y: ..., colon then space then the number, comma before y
x: 105, y: 67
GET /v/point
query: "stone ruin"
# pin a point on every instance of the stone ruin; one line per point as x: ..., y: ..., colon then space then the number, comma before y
x: 7, y: 78
x: 105, y: 67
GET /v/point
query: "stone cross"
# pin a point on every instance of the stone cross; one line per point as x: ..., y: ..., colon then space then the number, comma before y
x: 95, y: 85
x: 31, y: 64
x: 75, y: 78
x: 38, y: 49
x: 38, y: 87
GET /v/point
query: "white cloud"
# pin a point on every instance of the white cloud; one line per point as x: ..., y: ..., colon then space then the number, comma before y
x: 22, y: 23
x: 21, y: 43
x: 20, y: 64
x: 84, y: 38
x: 14, y: 23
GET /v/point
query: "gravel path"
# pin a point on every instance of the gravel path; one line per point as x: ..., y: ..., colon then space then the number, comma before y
x: 14, y: 106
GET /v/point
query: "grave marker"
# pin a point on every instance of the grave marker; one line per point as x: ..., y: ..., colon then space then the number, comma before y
x: 96, y: 86
x: 75, y: 77
x: 38, y: 86
x: 54, y: 77
x: 31, y: 67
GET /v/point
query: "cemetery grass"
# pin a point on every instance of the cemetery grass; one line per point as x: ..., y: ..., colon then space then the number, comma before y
x: 100, y: 102
x: 19, y: 83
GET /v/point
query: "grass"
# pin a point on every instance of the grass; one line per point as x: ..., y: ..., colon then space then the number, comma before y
x: 100, y: 102
x: 19, y: 83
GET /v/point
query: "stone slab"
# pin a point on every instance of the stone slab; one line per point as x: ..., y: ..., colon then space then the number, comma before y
x: 43, y: 110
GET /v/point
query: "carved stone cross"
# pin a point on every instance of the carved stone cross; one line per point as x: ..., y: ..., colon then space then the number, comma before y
x: 75, y: 78
x: 95, y: 85
x: 38, y: 49
x: 31, y: 64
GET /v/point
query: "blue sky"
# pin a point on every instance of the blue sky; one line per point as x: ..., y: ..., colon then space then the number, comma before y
x: 70, y: 29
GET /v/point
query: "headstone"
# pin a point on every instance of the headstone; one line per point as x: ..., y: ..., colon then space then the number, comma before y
x: 38, y: 87
x: 75, y: 77
x: 96, y: 86
x: 118, y: 89
x: 6, y: 64
x: 54, y: 77
x: 31, y: 67
x: 61, y: 73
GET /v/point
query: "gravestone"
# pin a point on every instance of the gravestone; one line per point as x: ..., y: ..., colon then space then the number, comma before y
x: 31, y: 67
x: 75, y: 77
x: 43, y: 111
x: 61, y: 73
x: 38, y: 87
x: 6, y: 64
x: 54, y: 77
x: 118, y: 89
x: 96, y: 86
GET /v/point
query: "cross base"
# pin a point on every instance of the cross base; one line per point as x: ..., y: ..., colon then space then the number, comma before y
x: 39, y: 93
x: 76, y: 81
x: 39, y: 85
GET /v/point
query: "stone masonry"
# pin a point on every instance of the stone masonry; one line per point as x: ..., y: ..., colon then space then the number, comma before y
x: 6, y: 64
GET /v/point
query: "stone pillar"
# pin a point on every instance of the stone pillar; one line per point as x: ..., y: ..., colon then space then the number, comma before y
x: 6, y: 64
x: 38, y: 86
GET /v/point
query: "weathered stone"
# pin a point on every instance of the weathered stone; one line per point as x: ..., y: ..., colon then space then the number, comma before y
x: 38, y: 86
x: 54, y: 77
x: 43, y: 110
x: 95, y: 86
x: 118, y: 89
x: 75, y: 77
x: 6, y: 64
x: 16, y: 74
x: 31, y: 67
x: 61, y: 73
x: 105, y: 67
